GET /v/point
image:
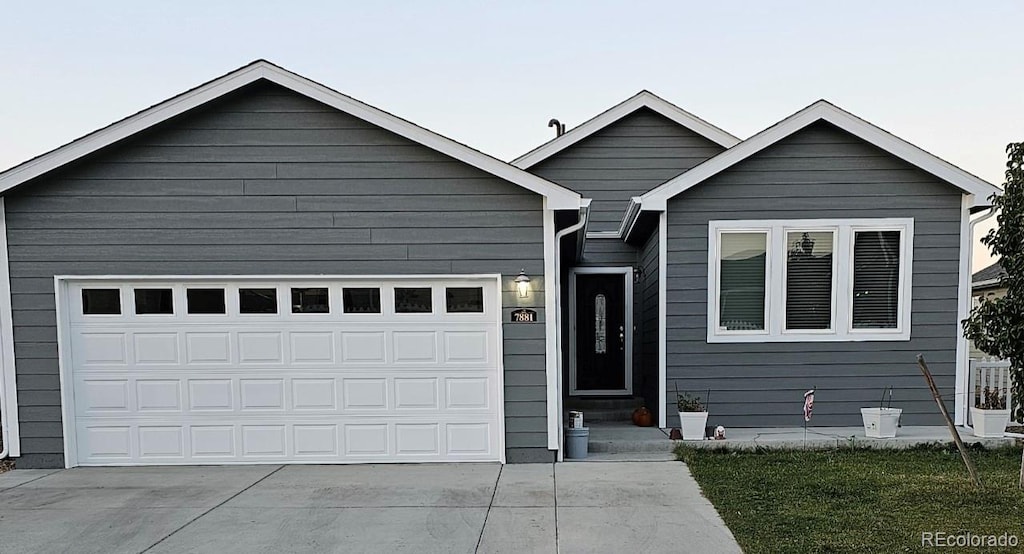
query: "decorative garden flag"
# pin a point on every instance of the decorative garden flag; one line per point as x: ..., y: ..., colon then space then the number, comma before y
x: 808, y: 404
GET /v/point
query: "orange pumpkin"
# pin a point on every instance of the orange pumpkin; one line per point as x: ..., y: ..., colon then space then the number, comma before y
x: 642, y: 417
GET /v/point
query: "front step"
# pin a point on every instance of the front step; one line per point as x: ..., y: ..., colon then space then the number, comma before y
x: 591, y: 403
x: 630, y: 446
x: 619, y: 438
x: 602, y: 416
x: 618, y: 409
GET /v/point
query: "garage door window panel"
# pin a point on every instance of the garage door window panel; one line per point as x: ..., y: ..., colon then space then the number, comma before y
x: 257, y: 300
x: 205, y: 301
x: 462, y: 300
x: 310, y: 301
x: 154, y: 301
x: 361, y: 300
x: 413, y: 300
x: 101, y: 301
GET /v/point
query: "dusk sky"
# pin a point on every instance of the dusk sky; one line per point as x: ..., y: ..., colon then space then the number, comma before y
x: 947, y: 76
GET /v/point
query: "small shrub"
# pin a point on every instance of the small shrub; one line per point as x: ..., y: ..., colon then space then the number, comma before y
x: 689, y: 403
x: 991, y: 399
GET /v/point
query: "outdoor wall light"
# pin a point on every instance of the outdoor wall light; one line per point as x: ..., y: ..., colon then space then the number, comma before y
x: 523, y: 284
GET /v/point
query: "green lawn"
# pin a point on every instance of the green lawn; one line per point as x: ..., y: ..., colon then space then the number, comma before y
x: 858, y: 500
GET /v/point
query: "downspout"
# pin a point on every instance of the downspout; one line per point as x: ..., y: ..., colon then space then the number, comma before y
x: 3, y: 421
x: 970, y: 294
x: 581, y: 224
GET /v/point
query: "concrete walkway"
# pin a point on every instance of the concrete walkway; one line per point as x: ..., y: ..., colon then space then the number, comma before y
x: 566, y: 508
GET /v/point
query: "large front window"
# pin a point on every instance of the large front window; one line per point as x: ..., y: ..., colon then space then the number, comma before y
x: 796, y: 280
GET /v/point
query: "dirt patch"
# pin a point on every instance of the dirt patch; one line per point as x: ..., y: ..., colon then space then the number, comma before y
x: 6, y: 465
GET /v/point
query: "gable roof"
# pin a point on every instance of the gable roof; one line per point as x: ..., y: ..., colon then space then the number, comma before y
x: 990, y: 276
x: 821, y: 110
x: 643, y: 99
x: 557, y: 196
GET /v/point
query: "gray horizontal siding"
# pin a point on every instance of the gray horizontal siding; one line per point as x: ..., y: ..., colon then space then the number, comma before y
x: 820, y: 172
x: 608, y: 252
x: 279, y: 220
x: 268, y: 182
x: 625, y: 159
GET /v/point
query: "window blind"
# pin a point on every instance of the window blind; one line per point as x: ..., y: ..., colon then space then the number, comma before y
x: 809, y: 279
x: 876, y: 276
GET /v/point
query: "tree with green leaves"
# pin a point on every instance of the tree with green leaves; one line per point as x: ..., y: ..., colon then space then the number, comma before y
x: 997, y: 325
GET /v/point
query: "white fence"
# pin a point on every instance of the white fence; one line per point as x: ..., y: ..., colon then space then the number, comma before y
x: 994, y: 374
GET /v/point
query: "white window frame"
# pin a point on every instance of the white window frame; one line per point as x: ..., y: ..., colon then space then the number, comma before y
x: 842, y: 279
x: 714, y: 263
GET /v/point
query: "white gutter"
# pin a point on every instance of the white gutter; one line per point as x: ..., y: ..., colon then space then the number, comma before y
x: 581, y: 224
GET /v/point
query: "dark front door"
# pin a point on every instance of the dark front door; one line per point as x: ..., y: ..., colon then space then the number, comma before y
x: 600, y: 332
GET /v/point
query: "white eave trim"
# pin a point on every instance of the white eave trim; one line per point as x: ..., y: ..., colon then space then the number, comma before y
x: 986, y: 284
x: 656, y: 199
x: 557, y: 197
x: 643, y: 99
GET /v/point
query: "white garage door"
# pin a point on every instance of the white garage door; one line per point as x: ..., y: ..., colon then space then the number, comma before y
x: 250, y: 370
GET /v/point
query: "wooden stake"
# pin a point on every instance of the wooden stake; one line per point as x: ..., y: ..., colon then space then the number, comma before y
x: 949, y: 422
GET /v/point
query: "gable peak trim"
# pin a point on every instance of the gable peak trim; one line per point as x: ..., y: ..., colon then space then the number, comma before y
x: 640, y: 100
x: 822, y: 110
x: 558, y: 197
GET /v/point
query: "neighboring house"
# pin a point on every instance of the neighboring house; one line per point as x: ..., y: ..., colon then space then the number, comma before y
x: 263, y: 270
x: 986, y: 283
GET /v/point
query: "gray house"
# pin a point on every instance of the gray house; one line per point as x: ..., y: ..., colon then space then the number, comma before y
x: 264, y: 270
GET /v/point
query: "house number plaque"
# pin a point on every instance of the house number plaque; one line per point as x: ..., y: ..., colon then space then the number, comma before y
x: 524, y: 316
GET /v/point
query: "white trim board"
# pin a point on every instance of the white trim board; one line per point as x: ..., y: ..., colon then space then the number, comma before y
x: 558, y: 197
x: 627, y: 278
x: 643, y: 99
x: 8, y: 372
x: 657, y: 199
x: 662, y: 319
x: 551, y: 332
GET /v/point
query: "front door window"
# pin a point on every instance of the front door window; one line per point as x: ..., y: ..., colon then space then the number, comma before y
x: 600, y: 324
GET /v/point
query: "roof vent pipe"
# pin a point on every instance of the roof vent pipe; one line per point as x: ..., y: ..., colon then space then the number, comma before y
x: 559, y: 127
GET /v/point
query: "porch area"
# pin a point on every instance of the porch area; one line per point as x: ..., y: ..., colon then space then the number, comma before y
x: 627, y: 442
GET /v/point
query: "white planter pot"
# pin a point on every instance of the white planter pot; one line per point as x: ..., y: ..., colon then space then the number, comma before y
x: 989, y: 423
x: 880, y: 423
x: 692, y: 425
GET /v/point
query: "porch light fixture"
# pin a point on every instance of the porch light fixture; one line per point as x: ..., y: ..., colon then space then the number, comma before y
x: 523, y: 284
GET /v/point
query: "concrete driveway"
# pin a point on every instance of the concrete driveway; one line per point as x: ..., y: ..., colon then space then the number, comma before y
x: 570, y: 507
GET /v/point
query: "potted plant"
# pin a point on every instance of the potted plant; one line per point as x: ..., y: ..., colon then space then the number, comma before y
x: 990, y: 414
x: 693, y: 416
x: 881, y: 422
